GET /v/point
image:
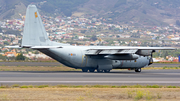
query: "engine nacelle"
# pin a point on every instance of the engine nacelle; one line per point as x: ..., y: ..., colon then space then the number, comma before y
x: 122, y: 57
x: 145, y: 52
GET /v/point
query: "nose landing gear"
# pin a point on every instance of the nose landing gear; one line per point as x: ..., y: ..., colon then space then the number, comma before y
x: 138, y: 70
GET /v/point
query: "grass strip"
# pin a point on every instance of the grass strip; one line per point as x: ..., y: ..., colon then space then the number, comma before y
x: 155, y: 68
x: 87, y: 86
x: 90, y: 94
x: 168, y: 62
x: 64, y: 68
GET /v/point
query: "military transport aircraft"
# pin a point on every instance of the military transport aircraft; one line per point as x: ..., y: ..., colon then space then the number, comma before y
x: 87, y: 58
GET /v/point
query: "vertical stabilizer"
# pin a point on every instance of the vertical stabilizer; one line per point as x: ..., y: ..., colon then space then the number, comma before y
x: 34, y: 31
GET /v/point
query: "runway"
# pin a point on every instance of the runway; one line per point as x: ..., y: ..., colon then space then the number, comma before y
x: 151, y: 77
x: 58, y: 64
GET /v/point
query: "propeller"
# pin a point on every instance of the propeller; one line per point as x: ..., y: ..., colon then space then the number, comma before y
x: 151, y: 59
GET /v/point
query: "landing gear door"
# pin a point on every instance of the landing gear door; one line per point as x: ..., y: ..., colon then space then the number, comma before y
x: 105, y: 64
x: 105, y: 67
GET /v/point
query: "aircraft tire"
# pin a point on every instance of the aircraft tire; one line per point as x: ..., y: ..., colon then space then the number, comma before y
x: 138, y: 70
x: 84, y: 70
x: 91, y: 70
x: 107, y: 71
x: 99, y: 71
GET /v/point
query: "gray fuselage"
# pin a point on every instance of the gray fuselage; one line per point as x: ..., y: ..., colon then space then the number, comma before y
x: 74, y: 56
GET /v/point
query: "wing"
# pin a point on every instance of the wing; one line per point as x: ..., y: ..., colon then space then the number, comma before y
x: 145, y: 51
x: 110, y: 51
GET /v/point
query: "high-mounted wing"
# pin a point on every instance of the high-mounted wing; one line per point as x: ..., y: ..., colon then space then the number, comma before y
x: 145, y: 51
x: 110, y: 51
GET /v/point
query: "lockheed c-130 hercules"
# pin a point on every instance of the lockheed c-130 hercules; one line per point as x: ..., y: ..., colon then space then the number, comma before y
x: 87, y: 58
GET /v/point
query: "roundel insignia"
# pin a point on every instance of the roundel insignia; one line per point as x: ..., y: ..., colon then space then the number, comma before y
x: 36, y: 15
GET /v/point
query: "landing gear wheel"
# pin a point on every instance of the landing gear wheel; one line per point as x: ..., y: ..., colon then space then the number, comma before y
x: 84, y: 70
x: 107, y: 71
x: 91, y: 70
x: 100, y: 71
x: 138, y: 70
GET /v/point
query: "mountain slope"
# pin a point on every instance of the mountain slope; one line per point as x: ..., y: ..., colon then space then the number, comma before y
x: 9, y: 8
x: 137, y: 12
x: 148, y: 12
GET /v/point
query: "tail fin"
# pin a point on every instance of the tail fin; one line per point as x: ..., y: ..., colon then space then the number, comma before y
x: 34, y: 31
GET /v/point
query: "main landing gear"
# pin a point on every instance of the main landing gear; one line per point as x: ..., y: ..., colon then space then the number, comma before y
x: 107, y: 71
x: 101, y: 71
x: 138, y: 70
x: 86, y: 70
x: 92, y: 70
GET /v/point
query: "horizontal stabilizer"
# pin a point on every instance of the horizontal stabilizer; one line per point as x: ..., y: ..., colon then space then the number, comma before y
x: 45, y: 47
x: 34, y: 47
x: 13, y: 47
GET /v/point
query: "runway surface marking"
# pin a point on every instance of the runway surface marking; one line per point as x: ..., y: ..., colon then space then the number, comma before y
x: 102, y: 82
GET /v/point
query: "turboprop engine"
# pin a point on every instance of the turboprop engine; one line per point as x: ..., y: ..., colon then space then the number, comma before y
x: 122, y: 57
x: 145, y: 52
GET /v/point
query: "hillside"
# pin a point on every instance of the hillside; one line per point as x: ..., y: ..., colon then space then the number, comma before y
x: 12, y: 8
x: 147, y: 12
x: 137, y: 12
x: 8, y: 8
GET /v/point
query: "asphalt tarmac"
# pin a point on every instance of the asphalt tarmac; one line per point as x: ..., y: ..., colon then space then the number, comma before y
x: 58, y: 64
x: 115, y: 77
